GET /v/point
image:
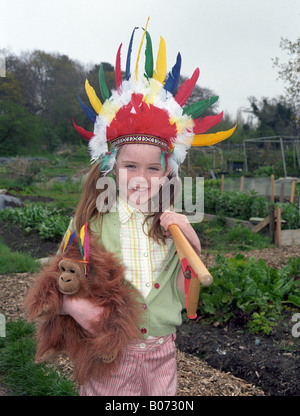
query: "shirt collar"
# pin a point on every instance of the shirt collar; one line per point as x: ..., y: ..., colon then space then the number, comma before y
x: 126, y: 210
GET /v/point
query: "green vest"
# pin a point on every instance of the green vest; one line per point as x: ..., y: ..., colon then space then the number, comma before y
x: 164, y: 303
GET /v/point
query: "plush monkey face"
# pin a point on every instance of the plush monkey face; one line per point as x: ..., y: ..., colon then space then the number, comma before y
x: 71, y: 277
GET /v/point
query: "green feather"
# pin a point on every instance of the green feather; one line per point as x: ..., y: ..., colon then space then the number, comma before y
x: 148, y: 57
x: 196, y: 109
x: 104, y: 163
x: 103, y: 86
x: 163, y: 159
x: 80, y: 248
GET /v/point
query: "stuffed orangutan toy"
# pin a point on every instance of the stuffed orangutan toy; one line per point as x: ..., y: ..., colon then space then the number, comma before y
x: 84, y: 270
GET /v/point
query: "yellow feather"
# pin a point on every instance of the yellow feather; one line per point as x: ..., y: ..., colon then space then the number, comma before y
x: 161, y: 62
x: 182, y: 123
x: 155, y: 87
x: 94, y: 100
x: 67, y: 239
x: 109, y: 109
x: 139, y: 52
x: 81, y: 235
x: 213, y: 138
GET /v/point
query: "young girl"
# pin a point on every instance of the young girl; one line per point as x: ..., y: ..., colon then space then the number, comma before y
x: 152, y: 265
x: 141, y: 136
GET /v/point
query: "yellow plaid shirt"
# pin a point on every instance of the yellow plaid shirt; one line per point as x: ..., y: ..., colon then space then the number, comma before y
x: 143, y: 258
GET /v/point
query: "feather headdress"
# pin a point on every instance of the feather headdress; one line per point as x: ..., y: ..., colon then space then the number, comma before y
x: 145, y: 108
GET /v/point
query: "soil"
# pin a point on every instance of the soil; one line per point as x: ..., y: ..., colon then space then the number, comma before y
x: 212, y: 360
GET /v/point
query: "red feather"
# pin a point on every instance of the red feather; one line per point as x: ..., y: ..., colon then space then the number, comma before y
x: 118, y: 78
x: 203, y: 124
x: 186, y: 88
x: 137, y: 117
x: 84, y: 133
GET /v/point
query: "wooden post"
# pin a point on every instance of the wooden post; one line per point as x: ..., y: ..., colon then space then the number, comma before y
x: 272, y: 222
x: 222, y: 183
x: 292, y: 195
x: 278, y: 226
x: 242, y: 184
x: 272, y: 188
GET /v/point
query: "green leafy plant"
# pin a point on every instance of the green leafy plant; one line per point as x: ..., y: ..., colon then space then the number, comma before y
x: 291, y: 213
x: 248, y: 286
x: 234, y: 204
x: 261, y: 322
x: 49, y: 222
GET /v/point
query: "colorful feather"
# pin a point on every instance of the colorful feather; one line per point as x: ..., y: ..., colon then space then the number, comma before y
x: 161, y: 62
x: 94, y: 100
x: 80, y: 248
x: 213, y: 138
x: 148, y: 57
x: 102, y: 83
x: 139, y: 51
x: 68, y: 239
x: 174, y: 75
x: 84, y: 133
x: 186, y: 88
x: 196, y: 109
x: 84, y: 245
x: 129, y: 55
x: 118, y: 76
x: 89, y: 113
x: 204, y: 124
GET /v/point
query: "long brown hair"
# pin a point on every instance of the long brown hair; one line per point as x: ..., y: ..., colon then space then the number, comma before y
x: 87, y: 208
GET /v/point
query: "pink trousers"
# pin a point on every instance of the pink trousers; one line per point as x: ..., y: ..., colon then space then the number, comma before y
x: 147, y: 368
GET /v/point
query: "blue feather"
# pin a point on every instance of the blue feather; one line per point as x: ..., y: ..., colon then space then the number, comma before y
x: 90, y: 113
x: 174, y: 75
x: 129, y: 55
x: 70, y: 241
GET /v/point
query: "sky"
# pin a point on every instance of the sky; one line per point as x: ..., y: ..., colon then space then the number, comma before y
x: 233, y: 42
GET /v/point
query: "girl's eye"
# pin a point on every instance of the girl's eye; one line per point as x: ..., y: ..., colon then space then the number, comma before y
x: 153, y: 168
x: 130, y: 166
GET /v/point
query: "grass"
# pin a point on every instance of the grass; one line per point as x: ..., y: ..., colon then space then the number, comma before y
x: 18, y: 370
x: 16, y: 262
x: 37, y: 178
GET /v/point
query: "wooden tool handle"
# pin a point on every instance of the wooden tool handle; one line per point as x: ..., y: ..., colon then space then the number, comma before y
x: 200, y: 270
x: 193, y: 298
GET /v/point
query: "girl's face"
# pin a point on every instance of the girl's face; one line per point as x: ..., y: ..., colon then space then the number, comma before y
x: 138, y: 171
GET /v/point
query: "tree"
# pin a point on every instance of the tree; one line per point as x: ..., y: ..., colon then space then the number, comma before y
x: 275, y: 117
x: 10, y: 89
x: 289, y: 72
x: 19, y: 130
